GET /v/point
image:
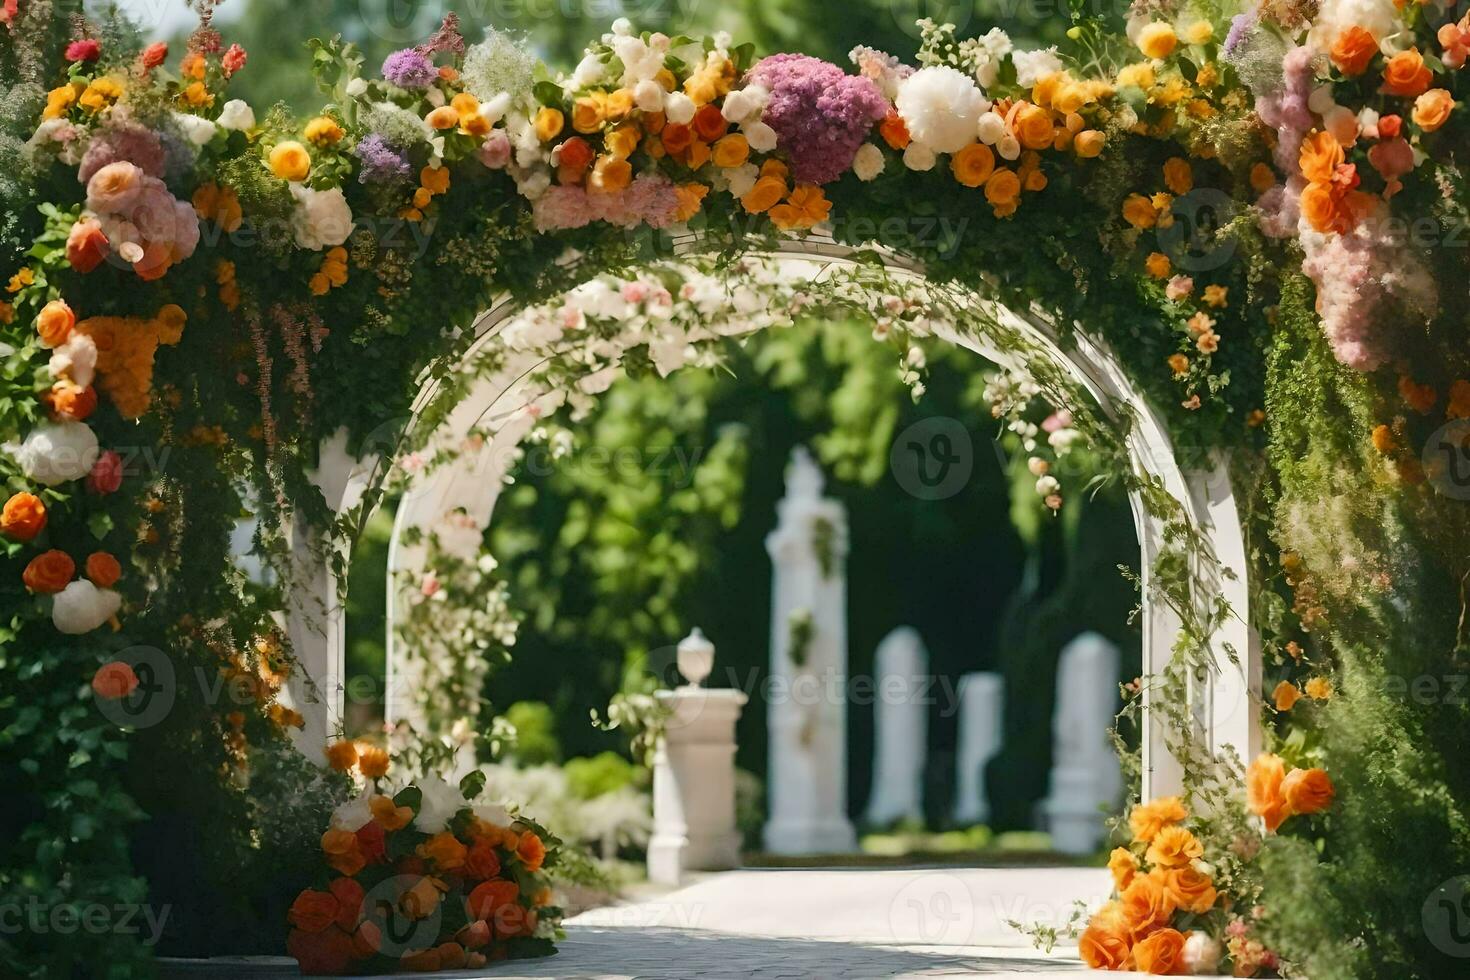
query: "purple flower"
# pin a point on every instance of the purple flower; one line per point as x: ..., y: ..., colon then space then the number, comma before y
x: 381, y: 163
x: 1239, y: 25
x: 820, y: 113
x: 409, y: 68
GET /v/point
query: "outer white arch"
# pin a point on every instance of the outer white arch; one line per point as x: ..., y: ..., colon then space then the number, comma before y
x: 1224, y: 702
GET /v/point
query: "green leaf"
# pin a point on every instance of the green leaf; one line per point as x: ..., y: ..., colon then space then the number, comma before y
x: 472, y: 784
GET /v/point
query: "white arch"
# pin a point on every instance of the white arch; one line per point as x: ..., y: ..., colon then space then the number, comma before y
x: 1223, y: 701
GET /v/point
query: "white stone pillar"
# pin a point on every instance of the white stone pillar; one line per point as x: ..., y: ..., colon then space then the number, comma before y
x: 694, y: 774
x: 982, y: 701
x: 900, y: 729
x: 1085, y: 775
x: 807, y: 719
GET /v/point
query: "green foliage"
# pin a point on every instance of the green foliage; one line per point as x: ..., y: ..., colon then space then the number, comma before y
x: 591, y: 777
x: 535, y: 726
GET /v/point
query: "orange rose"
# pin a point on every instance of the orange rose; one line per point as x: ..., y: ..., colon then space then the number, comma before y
x: 451, y: 956
x: 23, y: 518
x: 86, y: 245
x: 1263, y: 790
x: 1321, y: 154
x: 1146, y: 820
x: 442, y: 118
x: 1089, y: 143
x: 731, y: 151
x: 575, y: 154
x: 103, y: 569
x: 894, y: 131
x: 488, y: 897
x: 54, y: 323
x: 367, y: 940
x: 766, y: 194
x: 444, y: 850
x: 1123, y: 866
x: 548, y: 124
x: 481, y: 861
x: 68, y: 401
x: 325, y: 953
x: 1178, y: 175
x: 973, y: 165
x: 1190, y: 890
x: 388, y: 814
x: 422, y: 899
x: 1432, y: 109
x: 610, y: 175
x: 1307, y: 790
x: 691, y: 199
x: 531, y: 851
x: 1146, y: 906
x: 1174, y: 847
x: 1139, y: 211
x: 49, y: 572
x: 1033, y: 127
x: 1003, y: 192
x: 343, y: 854
x: 1287, y: 693
x: 372, y: 761
x: 1354, y: 49
x: 349, y: 895
x: 114, y: 680
x: 621, y: 142
x: 710, y: 124
x: 513, y: 920
x: 1161, y: 953
x: 289, y: 160
x: 313, y: 911
x: 342, y: 755
x: 1406, y: 74
x: 1104, y: 944
x: 589, y: 112
x: 677, y: 137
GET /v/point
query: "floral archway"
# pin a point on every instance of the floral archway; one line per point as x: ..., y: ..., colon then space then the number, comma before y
x: 1234, y: 232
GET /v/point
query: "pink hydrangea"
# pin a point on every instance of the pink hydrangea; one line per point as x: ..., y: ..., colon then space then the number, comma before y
x: 820, y: 113
x: 562, y: 207
x: 651, y: 199
x: 125, y: 140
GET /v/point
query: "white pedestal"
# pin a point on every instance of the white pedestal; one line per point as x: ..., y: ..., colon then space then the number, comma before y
x: 982, y: 698
x: 694, y: 785
x: 900, y: 729
x: 1085, y: 774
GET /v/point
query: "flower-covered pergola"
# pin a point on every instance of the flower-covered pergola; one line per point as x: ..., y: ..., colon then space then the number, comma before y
x: 1227, y: 239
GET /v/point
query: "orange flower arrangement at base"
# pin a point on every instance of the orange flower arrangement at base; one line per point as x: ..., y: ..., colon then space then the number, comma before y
x: 125, y: 351
x: 423, y: 880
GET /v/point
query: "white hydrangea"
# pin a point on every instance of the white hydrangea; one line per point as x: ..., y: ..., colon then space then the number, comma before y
x: 322, y: 219
x: 54, y: 453
x: 868, y: 163
x: 237, y: 114
x: 441, y: 801
x: 196, y: 129
x: 1033, y: 66
x: 81, y: 607
x: 941, y: 107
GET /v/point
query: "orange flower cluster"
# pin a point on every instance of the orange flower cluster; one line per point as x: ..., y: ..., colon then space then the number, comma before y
x: 1162, y: 874
x: 494, y: 873
x: 433, y: 181
x: 1331, y: 200
x: 333, y: 271
x: 1273, y: 794
x: 218, y: 205
x: 125, y: 350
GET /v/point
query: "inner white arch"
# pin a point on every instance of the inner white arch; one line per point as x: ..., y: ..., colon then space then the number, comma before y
x: 1223, y: 701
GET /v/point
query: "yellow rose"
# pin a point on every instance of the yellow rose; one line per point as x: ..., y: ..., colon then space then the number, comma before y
x: 619, y: 103
x: 289, y: 160
x: 1157, y: 40
x: 473, y: 124
x: 1174, y: 847
x: 731, y: 151
x: 766, y: 194
x: 197, y: 95
x: 622, y: 141
x: 1047, y: 87
x: 610, y: 174
x: 549, y: 123
x: 589, y: 112
x: 465, y: 104
x: 1140, y: 75
x: 1089, y: 143
x: 1072, y: 97
x: 323, y: 131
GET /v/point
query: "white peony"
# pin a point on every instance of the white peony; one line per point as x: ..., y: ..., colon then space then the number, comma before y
x: 918, y: 157
x: 81, y: 607
x: 56, y: 452
x: 441, y: 801
x: 321, y: 219
x: 868, y: 163
x: 1033, y: 66
x: 678, y: 108
x: 761, y: 137
x: 196, y: 129
x: 75, y: 360
x: 941, y: 107
x: 355, y: 814
x: 1201, y: 954
x: 992, y: 128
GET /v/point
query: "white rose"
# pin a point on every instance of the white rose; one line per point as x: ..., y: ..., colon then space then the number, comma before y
x: 746, y: 103
x: 739, y: 180
x: 533, y: 185
x: 918, y: 157
x: 434, y: 96
x: 196, y: 129
x: 495, y: 109
x: 494, y: 814
x: 1201, y: 953
x: 649, y: 95
x: 75, y: 360
x: 589, y: 70
x: 81, y: 607
x: 941, y: 107
x: 1047, y: 485
x: 238, y: 115
x: 991, y: 129
x: 355, y: 814
x: 1008, y: 147
x: 868, y: 163
x: 357, y: 87
x: 678, y: 108
x: 762, y: 138
x: 321, y: 219
x: 1033, y: 66
x: 56, y: 452
x: 441, y: 802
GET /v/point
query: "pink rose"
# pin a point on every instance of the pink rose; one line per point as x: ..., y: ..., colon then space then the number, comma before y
x: 84, y: 50
x: 232, y: 60
x: 635, y: 292
x: 1392, y: 158
x: 154, y: 55
x: 495, y: 151
x: 430, y: 585
x: 106, y: 475
x: 114, y: 188
x: 86, y: 245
